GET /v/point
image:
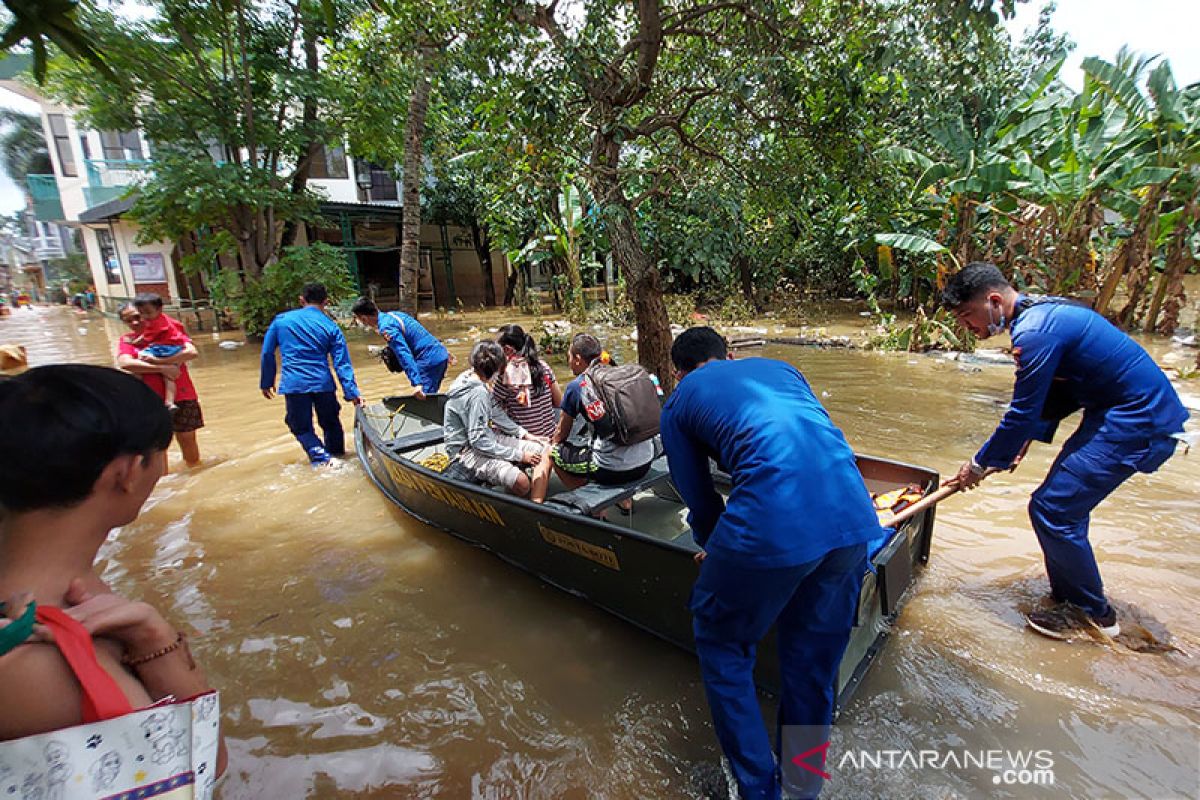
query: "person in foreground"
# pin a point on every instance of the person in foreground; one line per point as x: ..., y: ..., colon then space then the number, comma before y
x: 1068, y: 357
x: 789, y: 548
x: 418, y: 352
x: 307, y: 339
x: 494, y: 456
x: 95, y: 443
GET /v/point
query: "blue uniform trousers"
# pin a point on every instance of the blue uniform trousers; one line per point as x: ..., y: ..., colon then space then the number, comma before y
x: 732, y: 608
x: 300, y: 407
x: 1090, y: 466
x: 433, y: 375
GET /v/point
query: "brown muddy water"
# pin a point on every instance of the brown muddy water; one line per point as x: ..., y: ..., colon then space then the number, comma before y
x: 361, y: 654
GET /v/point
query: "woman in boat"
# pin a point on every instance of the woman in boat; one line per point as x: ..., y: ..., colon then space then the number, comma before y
x: 526, y: 390
x: 93, y: 444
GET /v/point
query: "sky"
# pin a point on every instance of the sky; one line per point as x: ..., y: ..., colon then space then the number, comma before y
x: 1098, y: 27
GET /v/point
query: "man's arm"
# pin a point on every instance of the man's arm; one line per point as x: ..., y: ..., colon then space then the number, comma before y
x: 188, y: 353
x: 343, y: 367
x: 1040, y: 356
x: 691, y: 475
x: 266, y: 379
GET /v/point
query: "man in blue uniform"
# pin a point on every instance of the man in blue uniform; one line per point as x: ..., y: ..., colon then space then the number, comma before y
x: 789, y: 546
x: 420, y: 355
x: 1068, y: 358
x: 307, y: 339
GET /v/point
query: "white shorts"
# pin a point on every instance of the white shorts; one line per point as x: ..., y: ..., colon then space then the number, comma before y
x: 497, y: 471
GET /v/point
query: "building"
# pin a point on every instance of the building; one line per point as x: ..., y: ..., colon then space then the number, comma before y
x: 91, y: 190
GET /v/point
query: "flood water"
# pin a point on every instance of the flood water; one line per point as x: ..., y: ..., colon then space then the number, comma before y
x: 361, y: 654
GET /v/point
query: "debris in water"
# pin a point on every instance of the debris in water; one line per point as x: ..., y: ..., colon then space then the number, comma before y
x: 230, y: 345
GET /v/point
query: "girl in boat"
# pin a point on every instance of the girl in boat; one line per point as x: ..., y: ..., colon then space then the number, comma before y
x: 526, y: 390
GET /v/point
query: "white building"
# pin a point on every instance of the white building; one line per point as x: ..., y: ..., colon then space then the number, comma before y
x: 92, y: 189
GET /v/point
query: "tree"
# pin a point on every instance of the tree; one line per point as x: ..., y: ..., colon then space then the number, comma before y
x: 234, y: 103
x: 23, y: 146
x: 45, y: 22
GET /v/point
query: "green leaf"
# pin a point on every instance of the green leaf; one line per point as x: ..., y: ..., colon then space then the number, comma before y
x: 1117, y: 83
x: 909, y: 242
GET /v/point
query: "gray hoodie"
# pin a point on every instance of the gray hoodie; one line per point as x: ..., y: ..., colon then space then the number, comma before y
x: 470, y: 415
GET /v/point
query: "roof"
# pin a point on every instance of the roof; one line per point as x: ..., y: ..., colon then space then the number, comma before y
x: 15, y: 64
x: 111, y: 209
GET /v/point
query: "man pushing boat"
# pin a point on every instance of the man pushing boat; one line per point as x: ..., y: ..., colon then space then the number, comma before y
x: 1068, y: 358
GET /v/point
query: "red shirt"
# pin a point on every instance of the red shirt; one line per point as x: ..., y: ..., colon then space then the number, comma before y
x: 184, y: 390
x: 163, y: 330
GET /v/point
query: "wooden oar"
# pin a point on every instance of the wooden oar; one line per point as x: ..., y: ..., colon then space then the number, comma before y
x: 933, y: 498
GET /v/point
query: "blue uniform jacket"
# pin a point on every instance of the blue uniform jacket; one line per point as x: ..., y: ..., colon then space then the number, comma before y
x: 306, y: 339
x: 797, y: 492
x: 1095, y: 367
x: 417, y: 348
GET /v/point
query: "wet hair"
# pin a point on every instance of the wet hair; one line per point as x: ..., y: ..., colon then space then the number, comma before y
x: 314, y: 293
x: 68, y: 422
x: 148, y: 299
x: 695, y: 346
x: 971, y: 282
x: 487, y: 359
x: 515, y: 337
x: 364, y: 307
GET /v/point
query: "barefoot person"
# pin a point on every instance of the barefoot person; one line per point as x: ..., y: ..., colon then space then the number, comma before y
x: 94, y: 445
x: 307, y: 340
x: 187, y: 416
x: 1068, y: 358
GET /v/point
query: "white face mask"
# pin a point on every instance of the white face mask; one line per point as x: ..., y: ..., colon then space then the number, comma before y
x: 993, y: 326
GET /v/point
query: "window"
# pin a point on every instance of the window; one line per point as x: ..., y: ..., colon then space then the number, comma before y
x: 121, y: 145
x: 328, y: 163
x: 108, y: 256
x: 62, y: 145
x: 383, y: 185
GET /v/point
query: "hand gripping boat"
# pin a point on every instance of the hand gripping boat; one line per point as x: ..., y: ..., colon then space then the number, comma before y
x: 639, y: 567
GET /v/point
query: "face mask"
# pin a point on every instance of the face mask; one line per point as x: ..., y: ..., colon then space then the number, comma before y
x: 994, y: 327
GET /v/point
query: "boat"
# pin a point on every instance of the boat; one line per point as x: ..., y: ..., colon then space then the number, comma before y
x: 638, y: 567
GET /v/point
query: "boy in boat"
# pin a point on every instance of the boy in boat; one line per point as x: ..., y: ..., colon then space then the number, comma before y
x: 788, y: 548
x: 307, y: 339
x: 580, y: 456
x: 1068, y: 358
x: 416, y: 351
x: 481, y: 438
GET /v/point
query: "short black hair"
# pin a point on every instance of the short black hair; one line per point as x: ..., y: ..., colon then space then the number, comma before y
x: 972, y: 281
x: 586, y: 346
x: 148, y: 299
x: 695, y: 346
x: 314, y: 293
x: 365, y: 307
x: 487, y: 358
x: 63, y: 424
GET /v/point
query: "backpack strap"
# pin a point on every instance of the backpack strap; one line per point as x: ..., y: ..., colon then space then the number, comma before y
x: 102, y: 697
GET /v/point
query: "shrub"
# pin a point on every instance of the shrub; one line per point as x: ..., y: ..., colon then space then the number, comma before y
x: 257, y: 301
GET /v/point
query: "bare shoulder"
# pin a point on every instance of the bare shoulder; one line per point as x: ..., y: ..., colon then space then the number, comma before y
x: 38, y: 692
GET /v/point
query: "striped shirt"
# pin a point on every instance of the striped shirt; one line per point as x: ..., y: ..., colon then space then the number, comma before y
x: 538, y: 417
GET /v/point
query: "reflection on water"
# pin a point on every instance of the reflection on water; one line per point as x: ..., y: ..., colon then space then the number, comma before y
x: 361, y: 654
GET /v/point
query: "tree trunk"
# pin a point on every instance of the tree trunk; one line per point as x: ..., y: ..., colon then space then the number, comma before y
x: 1170, y: 286
x: 308, y: 151
x: 410, y: 231
x: 1130, y: 253
x: 483, y: 249
x: 746, y: 274
x: 642, y: 279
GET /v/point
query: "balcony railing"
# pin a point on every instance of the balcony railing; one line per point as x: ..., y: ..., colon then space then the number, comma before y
x: 109, y: 179
x: 48, y: 247
x: 47, y: 205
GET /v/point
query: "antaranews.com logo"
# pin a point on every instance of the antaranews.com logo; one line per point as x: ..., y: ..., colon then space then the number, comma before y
x: 1008, y: 767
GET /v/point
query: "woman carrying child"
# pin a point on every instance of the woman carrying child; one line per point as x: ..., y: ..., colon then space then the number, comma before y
x: 526, y: 390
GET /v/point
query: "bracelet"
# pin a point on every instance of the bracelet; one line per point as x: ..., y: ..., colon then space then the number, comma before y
x: 180, y: 641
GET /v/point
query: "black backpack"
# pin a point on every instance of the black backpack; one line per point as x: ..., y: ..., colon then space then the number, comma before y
x: 621, y: 402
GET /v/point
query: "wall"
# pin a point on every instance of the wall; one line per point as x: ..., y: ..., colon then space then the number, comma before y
x: 124, y: 236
